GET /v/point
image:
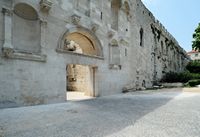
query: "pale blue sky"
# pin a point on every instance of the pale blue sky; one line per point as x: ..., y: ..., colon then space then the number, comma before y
x: 180, y: 17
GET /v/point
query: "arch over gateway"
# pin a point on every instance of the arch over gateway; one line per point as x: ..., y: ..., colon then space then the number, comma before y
x: 80, y: 40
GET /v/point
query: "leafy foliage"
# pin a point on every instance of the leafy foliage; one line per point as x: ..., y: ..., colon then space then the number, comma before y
x: 193, y: 67
x: 193, y: 83
x: 196, y: 37
x: 184, y: 77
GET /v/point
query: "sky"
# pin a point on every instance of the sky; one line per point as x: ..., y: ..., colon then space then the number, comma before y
x: 180, y: 18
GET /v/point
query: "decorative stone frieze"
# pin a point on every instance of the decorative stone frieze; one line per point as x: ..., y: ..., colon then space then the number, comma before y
x: 124, y: 41
x: 7, y: 52
x: 111, y: 33
x: 94, y: 27
x: 45, y: 5
x: 7, y: 11
x: 75, y: 19
x: 43, y: 22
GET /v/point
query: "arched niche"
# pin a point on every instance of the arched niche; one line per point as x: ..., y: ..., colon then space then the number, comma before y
x: 79, y: 40
x: 25, y: 11
x: 26, y: 29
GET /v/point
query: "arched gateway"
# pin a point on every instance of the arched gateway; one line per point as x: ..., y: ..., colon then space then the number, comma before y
x: 80, y: 78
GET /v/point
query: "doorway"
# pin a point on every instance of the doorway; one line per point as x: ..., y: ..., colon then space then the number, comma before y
x: 80, y: 82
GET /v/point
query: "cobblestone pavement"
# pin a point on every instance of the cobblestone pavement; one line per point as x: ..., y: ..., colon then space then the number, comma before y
x: 161, y: 113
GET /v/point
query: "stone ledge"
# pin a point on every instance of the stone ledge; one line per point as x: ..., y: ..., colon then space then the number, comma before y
x: 73, y: 53
x: 27, y: 56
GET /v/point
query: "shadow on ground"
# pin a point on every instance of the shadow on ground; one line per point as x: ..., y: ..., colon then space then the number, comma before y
x: 91, y: 118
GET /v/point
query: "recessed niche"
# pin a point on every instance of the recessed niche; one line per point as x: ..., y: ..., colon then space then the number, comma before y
x: 25, y: 11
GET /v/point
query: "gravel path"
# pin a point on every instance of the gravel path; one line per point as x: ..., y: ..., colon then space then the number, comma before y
x: 161, y: 113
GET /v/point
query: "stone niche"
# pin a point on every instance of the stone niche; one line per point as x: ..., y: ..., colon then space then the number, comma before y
x: 45, y: 5
x: 23, y: 33
x: 26, y: 29
x: 115, y: 7
x: 114, y: 52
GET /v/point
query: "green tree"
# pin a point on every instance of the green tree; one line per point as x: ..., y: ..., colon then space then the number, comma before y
x: 196, y: 39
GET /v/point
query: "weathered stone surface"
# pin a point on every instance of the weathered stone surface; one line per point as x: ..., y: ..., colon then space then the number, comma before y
x: 37, y: 66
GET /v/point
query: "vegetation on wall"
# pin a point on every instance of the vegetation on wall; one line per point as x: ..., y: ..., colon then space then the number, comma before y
x: 196, y: 37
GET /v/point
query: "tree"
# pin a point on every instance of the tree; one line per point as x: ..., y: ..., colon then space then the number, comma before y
x: 196, y: 39
x: 193, y: 66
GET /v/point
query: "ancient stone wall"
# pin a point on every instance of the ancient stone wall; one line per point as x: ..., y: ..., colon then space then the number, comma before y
x: 121, y: 39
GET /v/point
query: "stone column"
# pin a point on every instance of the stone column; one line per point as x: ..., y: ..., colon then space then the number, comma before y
x: 43, y: 25
x: 95, y: 81
x: 7, y: 46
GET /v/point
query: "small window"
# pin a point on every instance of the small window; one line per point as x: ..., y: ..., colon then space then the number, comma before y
x: 101, y: 15
x: 162, y: 48
x: 196, y: 55
x: 167, y: 50
x: 125, y: 52
x: 141, y: 37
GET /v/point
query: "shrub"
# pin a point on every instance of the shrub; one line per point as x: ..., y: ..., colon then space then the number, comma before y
x: 169, y: 77
x: 184, y: 77
x: 193, y: 66
x: 193, y: 83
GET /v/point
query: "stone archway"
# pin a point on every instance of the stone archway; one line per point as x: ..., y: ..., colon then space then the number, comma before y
x: 80, y: 40
x: 81, y: 78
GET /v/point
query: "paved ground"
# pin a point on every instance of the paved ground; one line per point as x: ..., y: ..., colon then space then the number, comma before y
x: 77, y: 95
x: 165, y: 113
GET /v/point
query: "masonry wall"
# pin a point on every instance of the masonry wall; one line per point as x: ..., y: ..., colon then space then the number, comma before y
x: 30, y: 79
